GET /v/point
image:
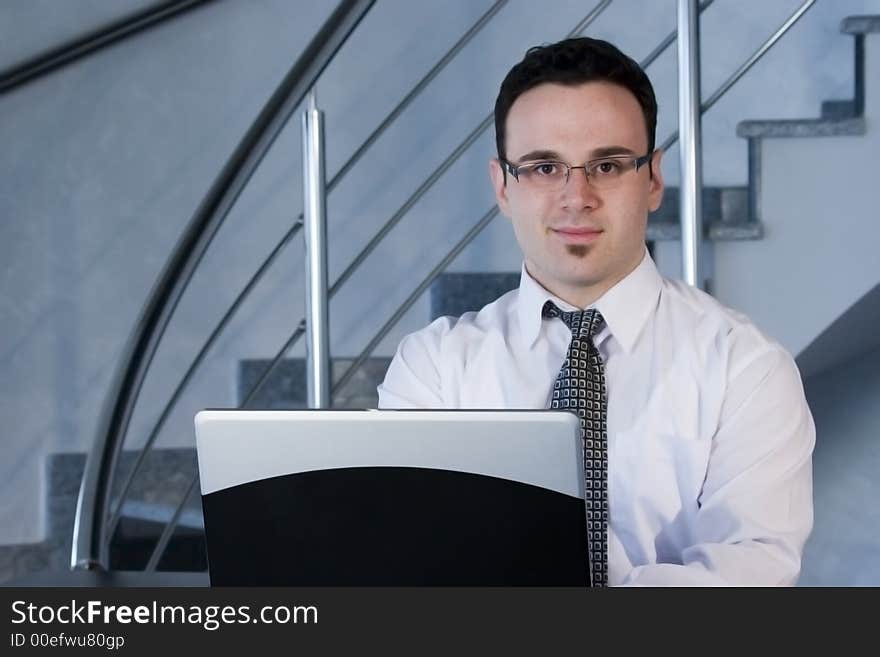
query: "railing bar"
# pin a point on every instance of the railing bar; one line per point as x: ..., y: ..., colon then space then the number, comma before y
x: 81, y: 46
x: 412, y: 298
x: 794, y: 18
x: 746, y: 66
x: 296, y: 335
x: 666, y: 145
x: 169, y: 529
x: 689, y: 113
x: 410, y: 202
x: 589, y: 18
x: 315, y: 238
x: 416, y: 90
x: 169, y: 406
x: 668, y: 41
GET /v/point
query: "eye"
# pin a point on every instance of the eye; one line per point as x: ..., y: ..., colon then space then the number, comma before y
x: 606, y: 167
x: 544, y: 170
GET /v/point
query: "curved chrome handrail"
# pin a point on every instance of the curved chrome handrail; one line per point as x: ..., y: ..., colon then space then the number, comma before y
x: 70, y: 51
x: 90, y: 547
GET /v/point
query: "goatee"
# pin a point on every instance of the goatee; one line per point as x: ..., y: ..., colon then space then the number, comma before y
x: 577, y: 250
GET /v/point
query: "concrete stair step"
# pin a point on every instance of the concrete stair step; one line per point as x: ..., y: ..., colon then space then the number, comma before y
x: 286, y: 388
x: 154, y: 496
x: 838, y: 117
x: 797, y: 128
x: 725, y: 216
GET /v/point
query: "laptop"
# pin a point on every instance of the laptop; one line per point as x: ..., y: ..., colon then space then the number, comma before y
x: 393, y: 498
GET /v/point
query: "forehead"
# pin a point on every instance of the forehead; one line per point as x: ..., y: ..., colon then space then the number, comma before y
x: 575, y: 119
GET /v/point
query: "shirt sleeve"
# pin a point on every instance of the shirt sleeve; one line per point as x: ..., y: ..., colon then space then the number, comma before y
x: 756, y: 505
x: 413, y: 379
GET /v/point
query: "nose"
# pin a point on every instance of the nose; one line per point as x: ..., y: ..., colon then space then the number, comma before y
x: 579, y: 193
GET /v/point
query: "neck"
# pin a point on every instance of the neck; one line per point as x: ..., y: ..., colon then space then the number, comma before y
x: 581, y: 296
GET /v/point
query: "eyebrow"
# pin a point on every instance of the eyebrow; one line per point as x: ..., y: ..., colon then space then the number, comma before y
x: 604, y: 151
x: 608, y: 151
x: 539, y: 155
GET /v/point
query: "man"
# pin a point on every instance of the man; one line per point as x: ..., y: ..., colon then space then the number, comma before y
x: 697, y: 436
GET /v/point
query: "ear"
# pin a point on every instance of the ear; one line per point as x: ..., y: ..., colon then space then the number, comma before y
x: 655, y: 190
x: 496, y: 175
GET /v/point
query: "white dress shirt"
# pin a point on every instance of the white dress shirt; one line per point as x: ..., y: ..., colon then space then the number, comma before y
x: 710, y: 438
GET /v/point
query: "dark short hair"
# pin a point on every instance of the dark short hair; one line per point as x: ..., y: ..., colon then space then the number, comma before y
x: 571, y: 62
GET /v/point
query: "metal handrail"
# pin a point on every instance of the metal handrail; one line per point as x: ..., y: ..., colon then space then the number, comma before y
x: 169, y: 529
x: 89, y: 545
x: 315, y: 237
x: 93, y: 41
x: 746, y: 66
x: 300, y: 330
x: 269, y: 260
x: 397, y: 216
x: 417, y: 89
x: 691, y: 151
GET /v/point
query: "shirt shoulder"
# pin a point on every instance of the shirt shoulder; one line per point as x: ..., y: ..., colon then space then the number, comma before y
x: 709, y: 319
x: 427, y: 358
x: 728, y: 343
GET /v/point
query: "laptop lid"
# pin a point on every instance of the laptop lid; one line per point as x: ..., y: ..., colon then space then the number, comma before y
x: 385, y: 498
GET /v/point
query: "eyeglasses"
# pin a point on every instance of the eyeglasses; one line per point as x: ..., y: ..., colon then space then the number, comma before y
x: 551, y: 176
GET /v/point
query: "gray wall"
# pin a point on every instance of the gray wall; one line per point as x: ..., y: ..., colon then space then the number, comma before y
x: 844, y: 549
x: 104, y: 161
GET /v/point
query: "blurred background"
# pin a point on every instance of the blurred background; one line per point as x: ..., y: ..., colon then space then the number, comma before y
x: 125, y: 124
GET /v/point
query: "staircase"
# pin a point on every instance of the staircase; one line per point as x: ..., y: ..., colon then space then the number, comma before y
x: 834, y: 228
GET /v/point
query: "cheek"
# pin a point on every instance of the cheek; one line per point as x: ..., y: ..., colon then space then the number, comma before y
x: 530, y: 211
x: 524, y: 214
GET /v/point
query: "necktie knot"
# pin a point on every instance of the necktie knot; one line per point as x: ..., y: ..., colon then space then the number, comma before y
x: 582, y: 323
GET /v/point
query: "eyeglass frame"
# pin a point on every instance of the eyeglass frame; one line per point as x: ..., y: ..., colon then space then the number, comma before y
x: 514, y: 170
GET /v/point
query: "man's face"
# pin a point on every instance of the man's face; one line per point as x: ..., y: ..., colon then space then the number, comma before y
x: 579, y: 241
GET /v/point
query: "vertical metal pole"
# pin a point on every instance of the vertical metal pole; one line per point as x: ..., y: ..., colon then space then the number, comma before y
x: 315, y: 230
x: 690, y: 144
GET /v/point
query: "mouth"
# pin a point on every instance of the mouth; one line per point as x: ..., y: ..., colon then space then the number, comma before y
x: 577, y: 235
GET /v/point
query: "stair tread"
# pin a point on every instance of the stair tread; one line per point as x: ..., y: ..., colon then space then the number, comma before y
x: 821, y: 127
x: 860, y: 24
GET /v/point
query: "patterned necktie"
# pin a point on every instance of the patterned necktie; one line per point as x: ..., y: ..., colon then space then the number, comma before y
x: 580, y: 387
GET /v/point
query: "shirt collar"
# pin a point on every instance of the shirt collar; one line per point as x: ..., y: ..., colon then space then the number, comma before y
x: 625, y: 307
